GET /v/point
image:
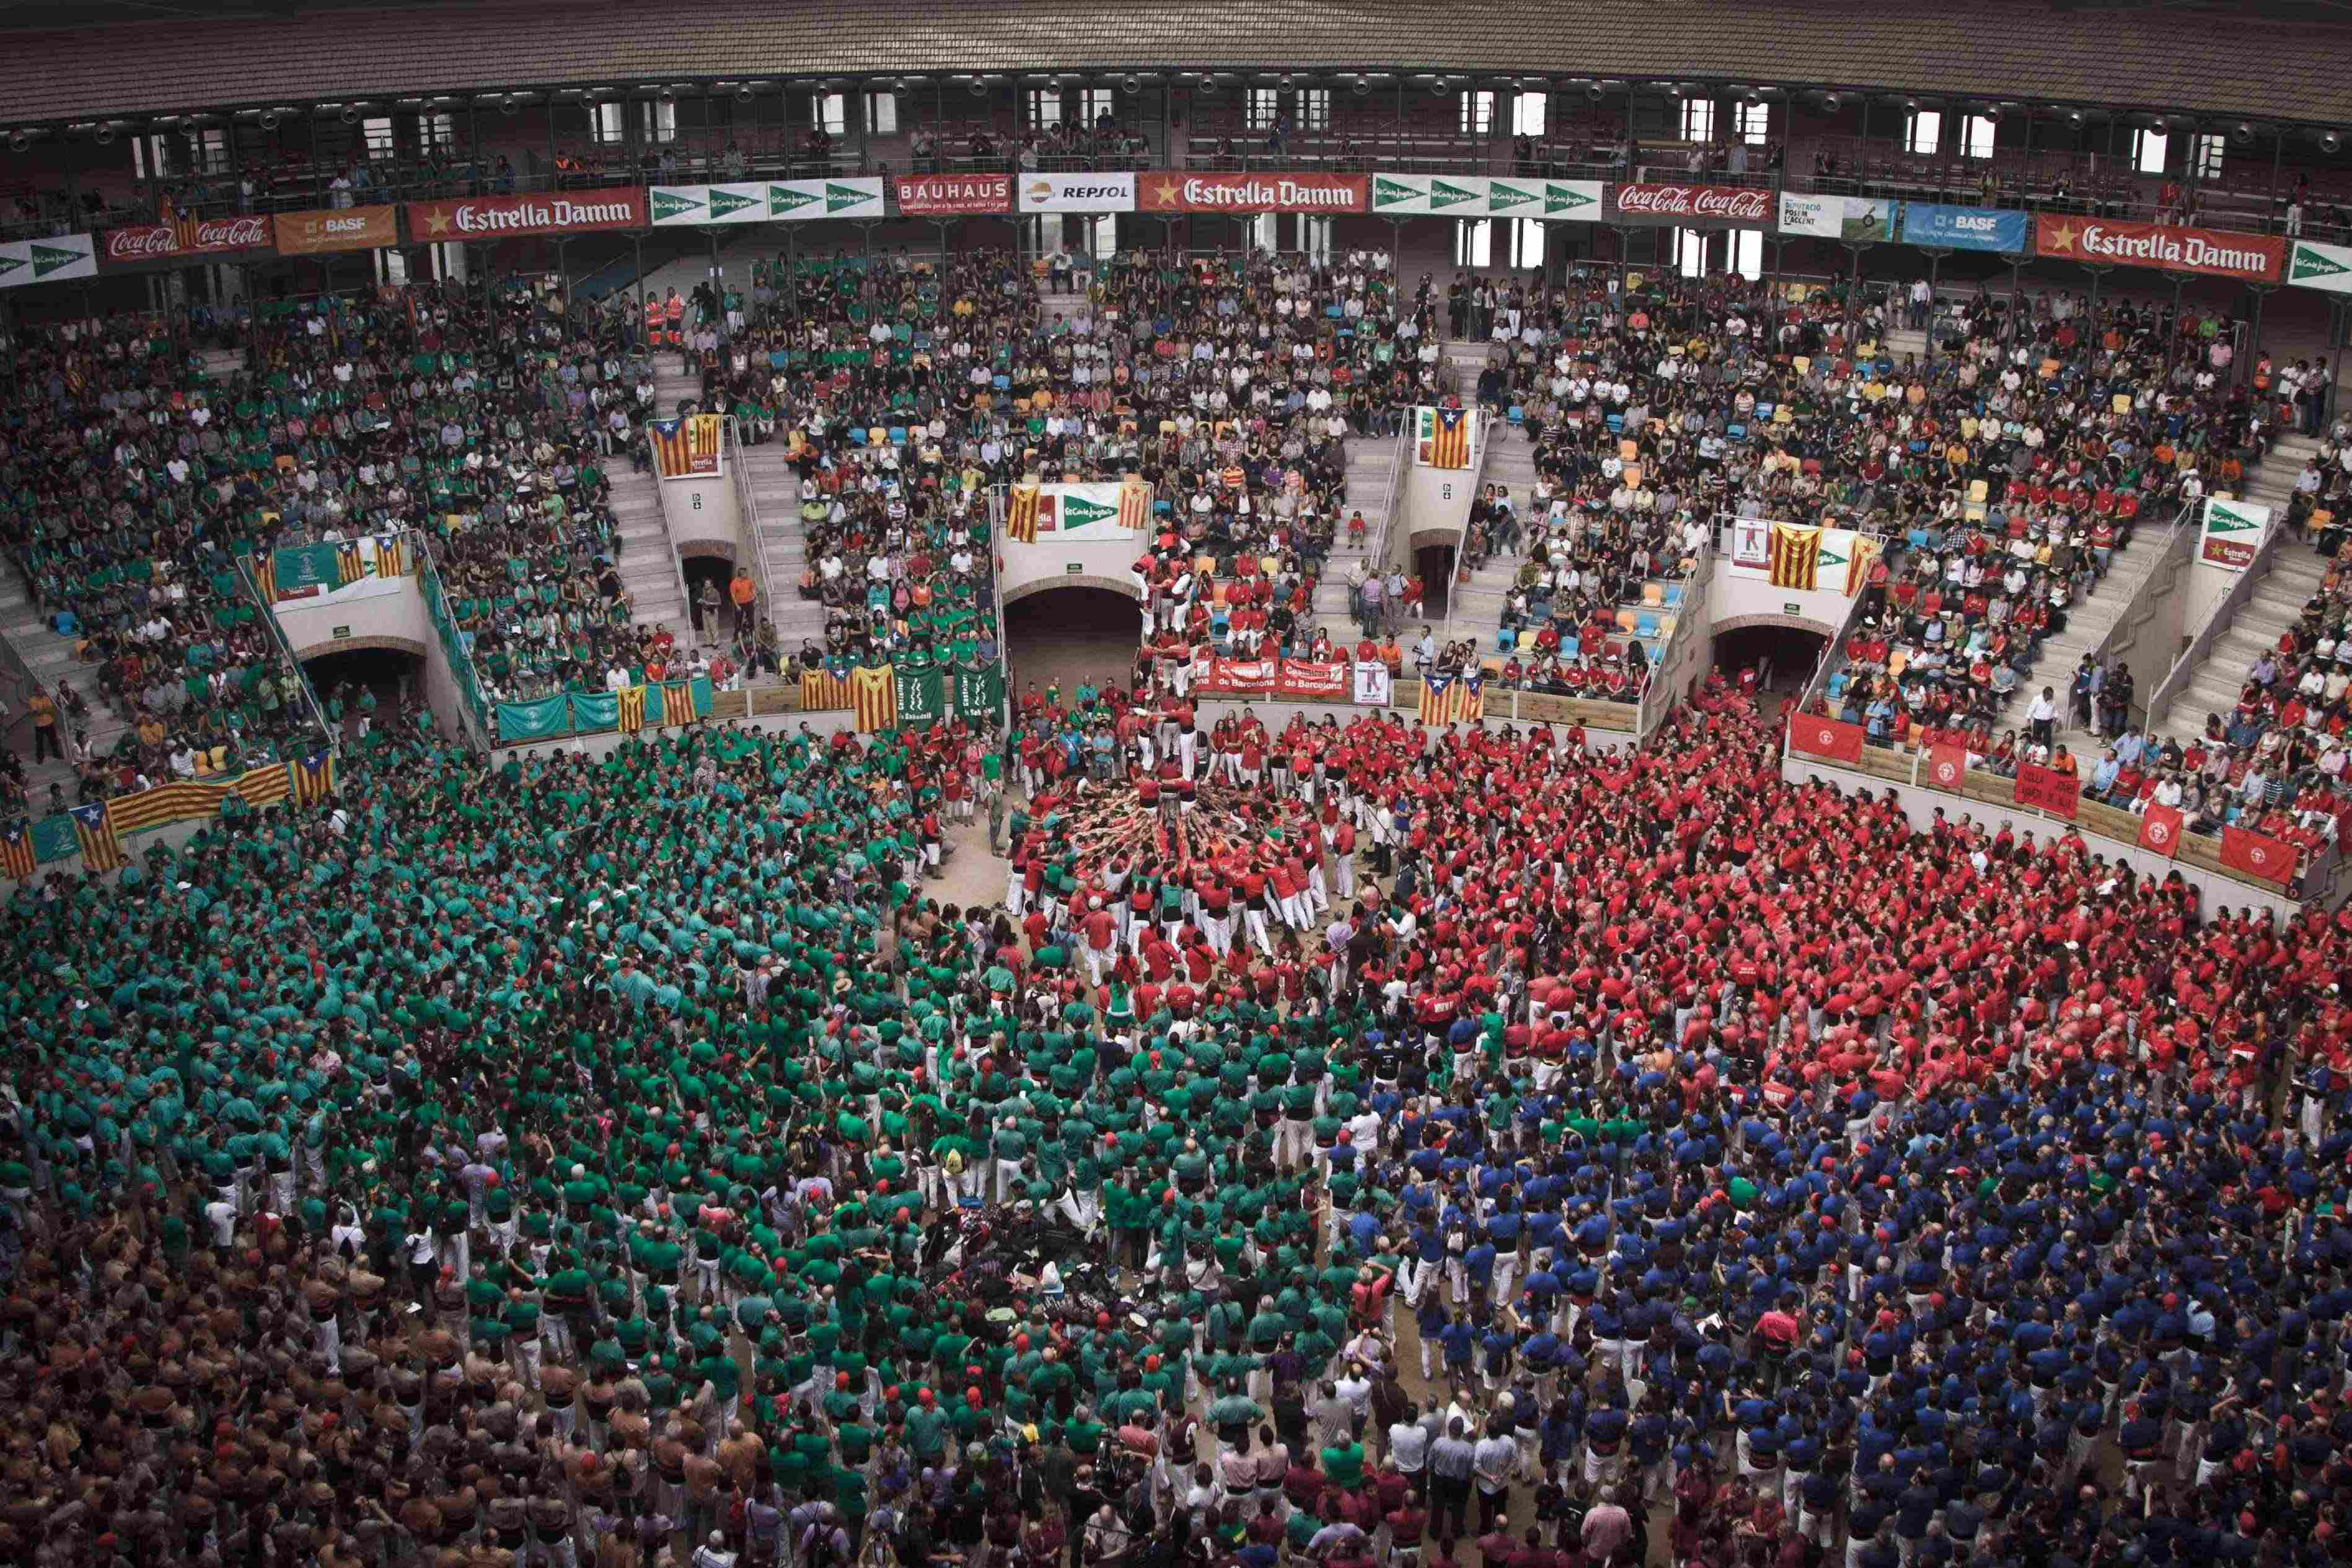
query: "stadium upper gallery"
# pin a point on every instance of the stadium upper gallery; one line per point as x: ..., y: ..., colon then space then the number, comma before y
x: 1367, y: 786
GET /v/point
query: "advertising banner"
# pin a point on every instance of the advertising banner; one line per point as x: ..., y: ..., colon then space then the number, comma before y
x: 1818, y: 735
x: 1478, y: 196
x: 1693, y: 207
x: 53, y: 260
x: 211, y: 238
x: 1083, y: 511
x: 1965, y: 228
x: 687, y: 449
x: 2047, y: 789
x: 1299, y: 680
x: 2208, y: 252
x: 1293, y: 193
x: 763, y: 201
x: 1447, y: 196
x: 330, y: 229
x: 2233, y: 532
x: 515, y: 217
x: 1565, y: 201
x: 1076, y: 193
x: 1858, y: 219
x: 954, y: 195
x: 1372, y: 685
x: 2315, y: 266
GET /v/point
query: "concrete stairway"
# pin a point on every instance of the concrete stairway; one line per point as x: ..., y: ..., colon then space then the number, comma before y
x: 648, y: 561
x: 1475, y: 609
x: 775, y: 490
x: 1370, y: 458
x: 49, y: 659
x: 1461, y: 360
x: 2089, y: 621
x: 1902, y: 341
x: 673, y: 385
x: 2277, y: 601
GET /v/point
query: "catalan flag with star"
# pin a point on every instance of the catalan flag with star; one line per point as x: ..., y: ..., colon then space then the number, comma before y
x: 1436, y: 699
x: 822, y: 691
x: 1021, y: 512
x: 1445, y: 437
x: 314, y: 777
x: 16, y: 857
x: 874, y: 697
x: 632, y: 710
x: 101, y: 851
x: 350, y: 566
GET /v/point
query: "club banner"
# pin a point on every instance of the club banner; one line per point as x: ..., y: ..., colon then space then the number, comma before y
x: 1947, y: 768
x: 1937, y: 224
x: 1299, y: 680
x: 1818, y: 735
x: 1478, y: 196
x: 516, y: 218
x: 2159, y: 830
x: 1076, y: 193
x: 1751, y: 548
x: 332, y: 229
x: 687, y: 449
x: 1693, y: 207
x: 1373, y: 688
x: 2313, y: 265
x: 978, y: 692
x: 1240, y: 677
x: 1860, y: 220
x: 305, y: 572
x: 53, y: 260
x: 763, y: 201
x: 2233, y: 533
x: 211, y: 240
x: 2256, y: 855
x: 1178, y: 193
x: 922, y: 693
x: 954, y: 195
x: 2208, y: 252
x: 2047, y: 789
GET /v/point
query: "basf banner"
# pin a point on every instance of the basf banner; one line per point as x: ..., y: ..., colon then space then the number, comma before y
x: 1075, y: 193
x: 763, y: 201
x: 516, y: 218
x: 328, y: 229
x: 1478, y: 195
x: 1173, y: 193
x: 2208, y: 252
x: 1965, y: 228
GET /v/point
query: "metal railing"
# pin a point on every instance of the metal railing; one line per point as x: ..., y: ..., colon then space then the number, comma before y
x: 2172, y: 559
x: 2183, y: 673
x: 301, y: 679
x: 1665, y: 682
x: 1400, y: 445
x: 473, y: 708
x: 748, y: 511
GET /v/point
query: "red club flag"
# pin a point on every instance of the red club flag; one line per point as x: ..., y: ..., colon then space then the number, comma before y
x: 1947, y: 768
x: 2047, y: 789
x: 2159, y: 830
x: 1817, y: 735
x: 2257, y: 855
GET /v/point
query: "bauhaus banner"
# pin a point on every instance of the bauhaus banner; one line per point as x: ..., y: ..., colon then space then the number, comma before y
x: 1177, y: 193
x: 2209, y: 252
x: 187, y: 238
x: 336, y: 228
x: 951, y: 195
x: 1691, y: 206
x: 511, y: 217
x: 763, y: 201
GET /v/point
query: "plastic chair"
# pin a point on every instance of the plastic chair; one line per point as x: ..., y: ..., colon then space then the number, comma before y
x: 1646, y: 624
x: 1527, y: 639
x: 1516, y: 416
x: 1626, y: 620
x: 1653, y: 594
x: 1670, y: 594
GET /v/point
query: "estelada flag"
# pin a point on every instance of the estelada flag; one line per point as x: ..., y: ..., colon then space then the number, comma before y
x: 1445, y: 438
x: 1947, y: 768
x: 1021, y: 513
x: 1795, y: 557
x: 2159, y: 830
x: 313, y: 778
x: 349, y: 565
x: 874, y: 696
x: 630, y: 716
x: 1818, y: 735
x: 16, y: 857
x: 1436, y: 698
x: 1134, y: 503
x: 677, y: 702
x: 101, y: 851
x: 822, y: 692
x: 2257, y: 855
x: 1469, y: 704
x: 1857, y: 563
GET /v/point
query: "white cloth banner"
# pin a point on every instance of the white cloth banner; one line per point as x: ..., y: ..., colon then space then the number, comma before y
x: 1371, y: 684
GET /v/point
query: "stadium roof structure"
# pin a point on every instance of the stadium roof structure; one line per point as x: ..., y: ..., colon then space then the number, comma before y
x: 135, y: 57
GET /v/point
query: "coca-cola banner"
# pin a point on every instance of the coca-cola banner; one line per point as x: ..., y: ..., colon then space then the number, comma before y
x: 2108, y: 242
x: 953, y: 195
x: 511, y: 217
x: 1180, y: 193
x: 1691, y: 206
x: 187, y: 238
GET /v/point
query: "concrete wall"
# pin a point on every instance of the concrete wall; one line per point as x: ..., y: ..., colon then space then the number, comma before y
x: 1752, y: 601
x: 376, y: 612
x: 705, y: 517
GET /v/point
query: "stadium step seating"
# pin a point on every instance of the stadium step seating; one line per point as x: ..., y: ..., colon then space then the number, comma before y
x: 648, y: 560
x: 49, y: 659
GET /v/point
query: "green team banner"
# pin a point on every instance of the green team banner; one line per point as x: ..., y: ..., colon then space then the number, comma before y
x: 594, y: 713
x: 520, y: 723
x: 979, y: 692
x: 1484, y: 195
x: 301, y: 570
x: 922, y: 694
x: 764, y: 201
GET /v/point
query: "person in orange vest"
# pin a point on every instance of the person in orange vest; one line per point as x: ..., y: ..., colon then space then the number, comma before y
x: 653, y: 322
x: 674, y: 314
x: 741, y: 592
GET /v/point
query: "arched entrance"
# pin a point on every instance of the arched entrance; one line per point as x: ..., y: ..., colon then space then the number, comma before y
x: 1784, y: 650
x: 1065, y: 632
x: 391, y: 669
x: 707, y: 569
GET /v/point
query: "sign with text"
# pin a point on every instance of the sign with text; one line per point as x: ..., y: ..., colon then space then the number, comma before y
x: 209, y: 238
x: 330, y: 229
x: 1478, y: 195
x: 1860, y: 219
x: 762, y: 201
x: 954, y: 195
x: 1295, y: 192
x: 2047, y: 789
x: 2311, y: 265
x: 1076, y: 193
x: 51, y: 260
x: 1693, y: 207
x: 515, y: 217
x: 2208, y: 252
x: 2233, y: 532
x: 1940, y: 225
